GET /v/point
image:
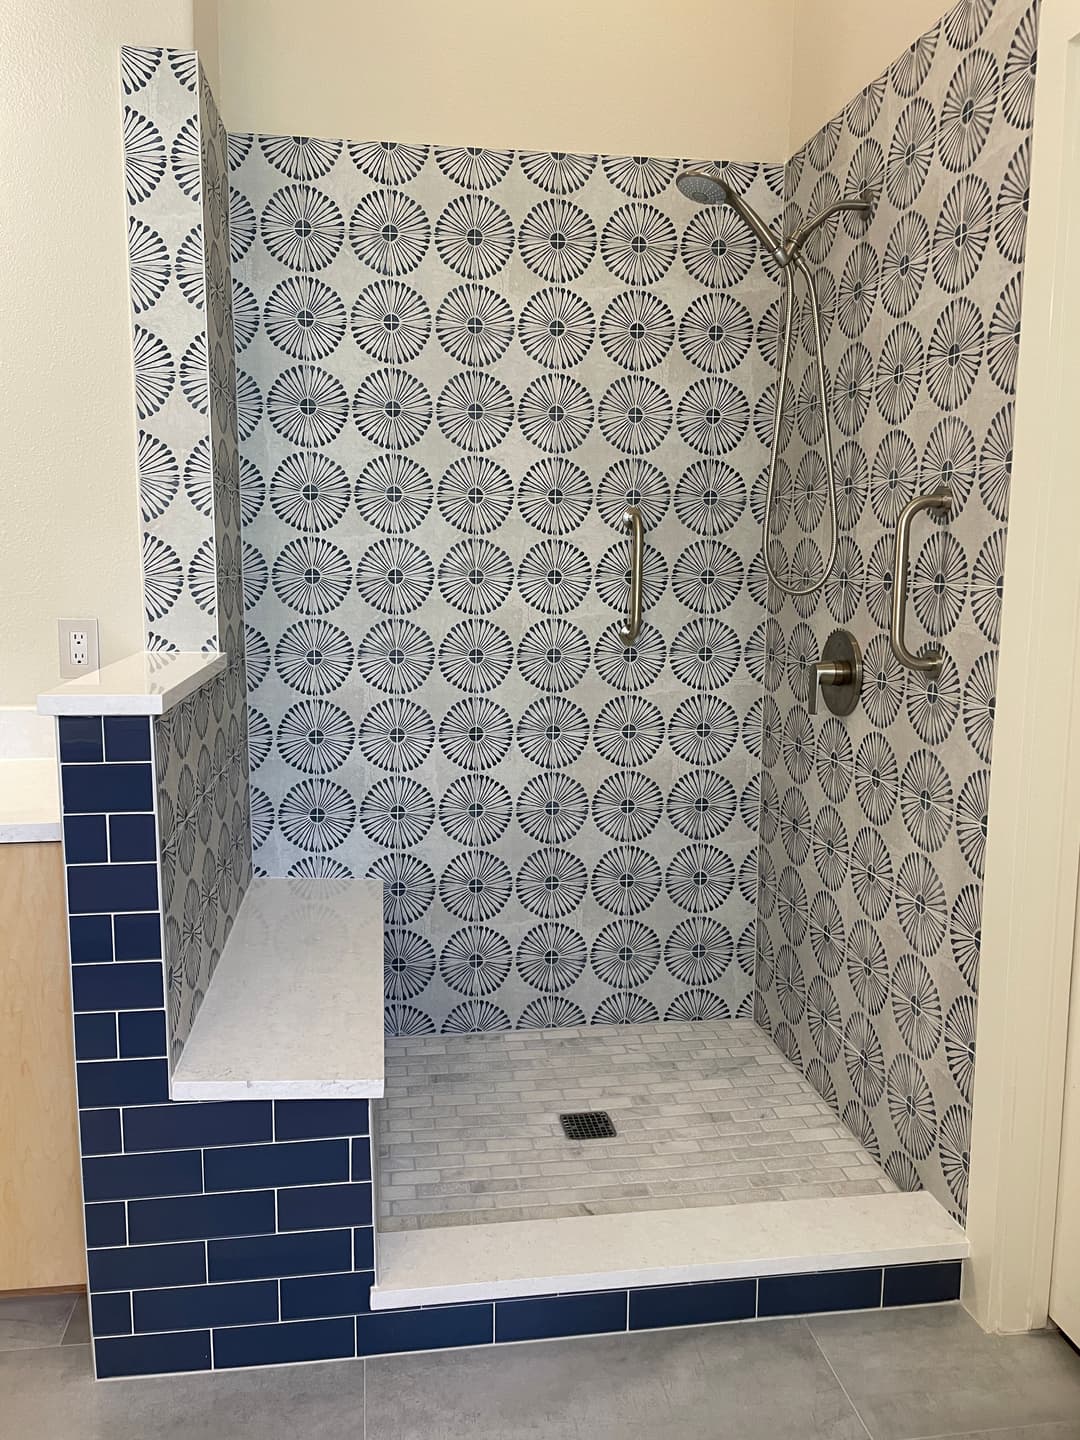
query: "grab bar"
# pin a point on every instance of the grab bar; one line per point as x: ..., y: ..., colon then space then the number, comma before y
x: 631, y: 521
x: 929, y: 664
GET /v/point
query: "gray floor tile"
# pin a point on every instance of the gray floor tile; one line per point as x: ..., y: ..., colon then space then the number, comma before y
x: 78, y: 1327
x: 734, y: 1382
x: 930, y: 1372
x: 1066, y: 1430
x: 28, y: 1322
x: 51, y: 1394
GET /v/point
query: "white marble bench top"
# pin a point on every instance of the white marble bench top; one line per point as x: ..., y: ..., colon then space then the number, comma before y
x: 295, y: 1008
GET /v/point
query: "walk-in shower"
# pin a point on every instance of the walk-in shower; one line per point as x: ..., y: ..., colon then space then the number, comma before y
x: 706, y: 187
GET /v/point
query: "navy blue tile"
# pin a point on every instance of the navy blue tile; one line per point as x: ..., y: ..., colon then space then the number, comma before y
x: 106, y: 1224
x: 110, y: 1315
x: 132, y: 837
x: 134, y: 985
x: 192, y: 1306
x: 122, y: 1082
x: 439, y: 1328
x: 364, y: 1249
x: 825, y: 1290
x: 125, y: 1177
x: 85, y: 840
x: 80, y: 738
x: 91, y: 939
x: 361, y: 1158
x: 95, y: 1036
x: 259, y: 1256
x: 284, y: 1344
x: 127, y: 737
x: 922, y: 1284
x: 116, y: 887
x: 139, y: 1266
x: 250, y: 1167
x: 313, y: 1119
x: 138, y: 937
x: 152, y: 1354
x: 310, y: 1296
x: 318, y: 1207
x: 106, y: 788
x: 201, y: 1122
x: 142, y: 1033
x: 202, y: 1217
x: 705, y: 1304
x: 99, y: 1132
x: 536, y: 1319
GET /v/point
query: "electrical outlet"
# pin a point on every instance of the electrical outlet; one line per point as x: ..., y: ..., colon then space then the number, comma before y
x: 78, y: 647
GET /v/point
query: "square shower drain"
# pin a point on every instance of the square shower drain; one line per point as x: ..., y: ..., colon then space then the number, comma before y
x: 588, y: 1125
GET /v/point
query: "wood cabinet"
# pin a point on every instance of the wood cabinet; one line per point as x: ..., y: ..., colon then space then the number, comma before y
x: 41, y: 1232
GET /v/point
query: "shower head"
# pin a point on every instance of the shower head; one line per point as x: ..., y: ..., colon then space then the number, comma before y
x: 705, y: 187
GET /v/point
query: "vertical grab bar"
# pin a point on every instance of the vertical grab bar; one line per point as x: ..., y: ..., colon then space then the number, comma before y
x: 631, y: 521
x: 929, y: 664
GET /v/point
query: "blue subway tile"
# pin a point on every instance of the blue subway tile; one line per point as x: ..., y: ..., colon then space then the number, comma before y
x: 95, y: 1036
x: 309, y: 1297
x: 132, y: 986
x: 704, y: 1304
x: 85, y: 840
x: 441, y: 1327
x: 314, y: 1119
x: 106, y: 788
x: 116, y: 887
x: 361, y: 1158
x: 127, y: 737
x: 824, y: 1290
x: 260, y: 1256
x: 80, y: 739
x: 152, y: 1354
x: 138, y: 937
x: 284, y: 1344
x: 364, y: 1248
x: 250, y: 1167
x: 110, y: 1314
x: 122, y: 1082
x: 125, y: 1177
x: 141, y: 1266
x: 142, y: 1033
x: 202, y: 1217
x: 91, y: 939
x: 106, y: 1224
x: 922, y: 1284
x: 193, y: 1306
x: 132, y: 837
x: 99, y: 1132
x: 540, y: 1319
x: 202, y: 1122
x: 319, y: 1207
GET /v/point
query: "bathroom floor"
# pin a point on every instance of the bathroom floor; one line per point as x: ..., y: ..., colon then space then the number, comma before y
x: 705, y: 1114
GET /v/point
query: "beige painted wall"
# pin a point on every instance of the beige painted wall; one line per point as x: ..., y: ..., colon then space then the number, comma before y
x: 840, y: 46
x: 69, y: 525
x: 655, y: 77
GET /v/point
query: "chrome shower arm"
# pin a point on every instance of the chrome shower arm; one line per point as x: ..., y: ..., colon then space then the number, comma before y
x: 793, y: 245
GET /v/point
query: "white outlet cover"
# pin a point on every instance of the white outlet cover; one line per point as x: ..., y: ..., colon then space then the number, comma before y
x: 70, y: 627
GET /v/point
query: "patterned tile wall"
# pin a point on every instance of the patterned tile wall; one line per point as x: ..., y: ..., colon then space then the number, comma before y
x: 177, y: 171
x: 873, y: 828
x: 456, y: 368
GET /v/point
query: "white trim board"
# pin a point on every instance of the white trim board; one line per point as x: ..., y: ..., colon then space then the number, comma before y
x: 452, y: 1263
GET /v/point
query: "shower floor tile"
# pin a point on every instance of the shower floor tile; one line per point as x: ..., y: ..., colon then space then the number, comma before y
x: 705, y: 1114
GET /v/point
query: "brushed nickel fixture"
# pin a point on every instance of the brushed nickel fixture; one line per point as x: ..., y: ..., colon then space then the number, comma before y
x: 930, y: 663
x: 837, y: 677
x: 632, y: 522
x: 705, y: 187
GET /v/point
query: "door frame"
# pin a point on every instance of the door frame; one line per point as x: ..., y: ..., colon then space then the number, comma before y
x: 1029, y: 923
